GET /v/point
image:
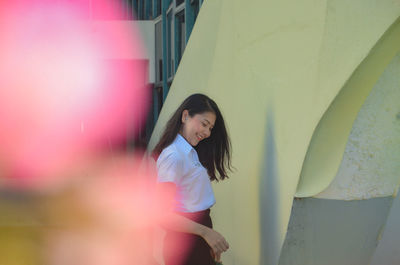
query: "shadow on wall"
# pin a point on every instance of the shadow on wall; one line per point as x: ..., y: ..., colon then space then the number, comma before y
x: 269, y: 200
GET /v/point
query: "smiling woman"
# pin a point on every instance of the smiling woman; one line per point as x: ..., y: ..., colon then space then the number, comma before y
x: 193, y: 149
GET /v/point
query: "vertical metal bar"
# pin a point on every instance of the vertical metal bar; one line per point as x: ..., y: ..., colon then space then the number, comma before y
x: 176, y: 41
x: 139, y: 10
x: 189, y: 19
x: 148, y: 9
x: 164, y: 7
x: 155, y: 106
x: 135, y: 10
x: 153, y: 8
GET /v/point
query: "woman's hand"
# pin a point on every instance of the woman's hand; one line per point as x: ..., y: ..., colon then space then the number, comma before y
x: 216, y: 241
x: 165, y: 194
x: 216, y: 257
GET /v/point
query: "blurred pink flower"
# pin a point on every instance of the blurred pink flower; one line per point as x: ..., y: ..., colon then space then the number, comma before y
x: 61, y: 98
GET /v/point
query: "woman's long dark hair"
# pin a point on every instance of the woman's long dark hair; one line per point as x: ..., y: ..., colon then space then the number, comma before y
x: 215, y: 151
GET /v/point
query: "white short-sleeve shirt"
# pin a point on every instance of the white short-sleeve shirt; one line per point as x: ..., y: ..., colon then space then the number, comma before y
x: 179, y: 163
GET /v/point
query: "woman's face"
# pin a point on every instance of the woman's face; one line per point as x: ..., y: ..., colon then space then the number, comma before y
x: 198, y: 127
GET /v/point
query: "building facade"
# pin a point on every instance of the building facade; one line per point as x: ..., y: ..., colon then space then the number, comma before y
x: 173, y: 22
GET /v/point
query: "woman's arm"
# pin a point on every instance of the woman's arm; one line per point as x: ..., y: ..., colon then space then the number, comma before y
x: 170, y: 220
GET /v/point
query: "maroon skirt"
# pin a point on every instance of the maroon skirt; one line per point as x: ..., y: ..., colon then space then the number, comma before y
x: 188, y: 249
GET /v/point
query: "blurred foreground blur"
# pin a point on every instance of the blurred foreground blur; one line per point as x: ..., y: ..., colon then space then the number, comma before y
x: 70, y: 193
x: 103, y: 216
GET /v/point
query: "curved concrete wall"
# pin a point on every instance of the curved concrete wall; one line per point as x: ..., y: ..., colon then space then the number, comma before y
x: 370, y: 166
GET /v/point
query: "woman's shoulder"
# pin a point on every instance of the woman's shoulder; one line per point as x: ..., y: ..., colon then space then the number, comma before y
x: 170, y: 153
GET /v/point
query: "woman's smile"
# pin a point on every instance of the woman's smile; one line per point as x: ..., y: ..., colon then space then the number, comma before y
x: 198, y: 127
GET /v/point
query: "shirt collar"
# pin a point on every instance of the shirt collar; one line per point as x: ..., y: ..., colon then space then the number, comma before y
x: 182, y: 144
